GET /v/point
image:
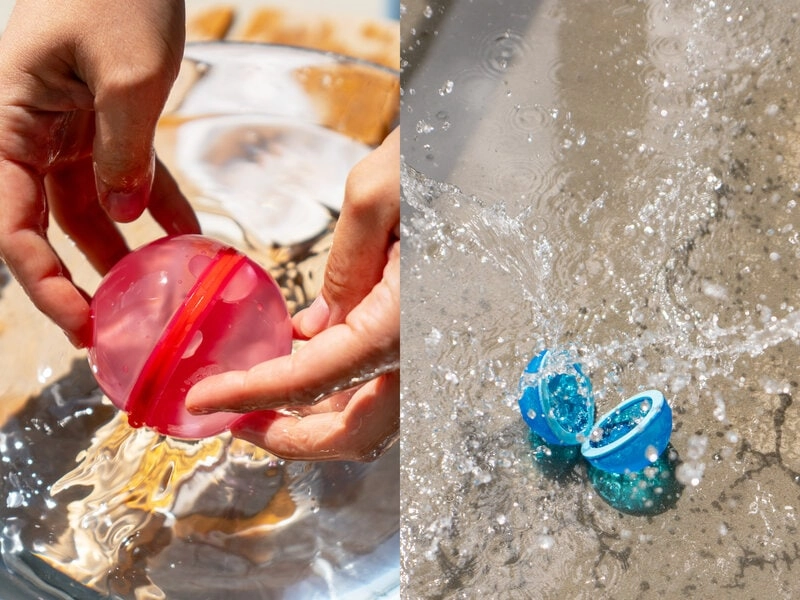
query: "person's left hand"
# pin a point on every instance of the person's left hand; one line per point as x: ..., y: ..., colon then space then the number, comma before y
x: 337, y: 397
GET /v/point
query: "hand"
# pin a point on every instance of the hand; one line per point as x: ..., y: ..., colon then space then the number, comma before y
x: 338, y: 395
x: 82, y: 84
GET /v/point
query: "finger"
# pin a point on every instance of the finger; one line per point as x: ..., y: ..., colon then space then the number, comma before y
x: 123, y: 181
x: 365, y: 227
x: 288, y: 380
x: 339, y: 358
x: 364, y: 231
x: 363, y: 430
x: 26, y: 251
x: 73, y: 202
x: 169, y: 206
x: 128, y: 102
x: 333, y: 403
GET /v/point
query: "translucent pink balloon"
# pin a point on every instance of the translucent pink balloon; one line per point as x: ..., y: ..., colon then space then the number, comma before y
x: 174, y: 312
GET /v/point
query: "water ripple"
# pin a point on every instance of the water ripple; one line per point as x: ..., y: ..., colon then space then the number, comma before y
x: 528, y: 118
x: 500, y: 50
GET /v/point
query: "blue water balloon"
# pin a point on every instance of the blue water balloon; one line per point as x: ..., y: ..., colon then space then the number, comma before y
x: 556, y: 401
x: 632, y: 436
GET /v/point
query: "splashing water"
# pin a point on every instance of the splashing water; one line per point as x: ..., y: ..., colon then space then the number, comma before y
x: 661, y: 248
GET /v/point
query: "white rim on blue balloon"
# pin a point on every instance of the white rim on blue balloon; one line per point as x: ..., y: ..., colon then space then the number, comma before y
x: 621, y: 442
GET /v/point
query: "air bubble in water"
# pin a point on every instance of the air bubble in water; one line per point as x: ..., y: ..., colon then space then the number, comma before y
x: 433, y: 338
x: 690, y: 473
x: 451, y: 377
x: 44, y: 373
x: 696, y: 447
x: 719, y: 408
x: 546, y: 542
x: 714, y: 290
x: 15, y: 499
x: 424, y: 127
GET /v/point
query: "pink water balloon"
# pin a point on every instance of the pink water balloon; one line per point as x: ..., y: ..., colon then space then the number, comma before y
x: 174, y: 312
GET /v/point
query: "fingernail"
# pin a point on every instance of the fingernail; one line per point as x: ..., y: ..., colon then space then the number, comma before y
x: 253, y: 426
x: 194, y: 409
x: 82, y: 338
x: 200, y: 410
x: 315, y: 318
x: 125, y: 195
x: 74, y: 339
x: 124, y: 207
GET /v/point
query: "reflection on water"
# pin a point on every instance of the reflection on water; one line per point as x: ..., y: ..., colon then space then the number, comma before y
x: 136, y: 515
x: 232, y: 159
x: 627, y: 190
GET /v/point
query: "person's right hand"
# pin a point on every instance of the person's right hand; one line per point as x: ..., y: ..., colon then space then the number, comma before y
x: 342, y: 388
x: 82, y: 84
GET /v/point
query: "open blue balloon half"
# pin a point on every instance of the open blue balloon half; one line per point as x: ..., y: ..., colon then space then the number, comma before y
x: 632, y: 436
x: 556, y: 399
x: 557, y: 404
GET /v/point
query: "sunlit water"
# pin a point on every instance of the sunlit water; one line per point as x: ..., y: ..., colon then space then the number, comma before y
x: 94, y: 509
x: 633, y: 200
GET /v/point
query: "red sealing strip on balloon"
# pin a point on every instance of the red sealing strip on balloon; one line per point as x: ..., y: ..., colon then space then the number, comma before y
x: 160, y: 365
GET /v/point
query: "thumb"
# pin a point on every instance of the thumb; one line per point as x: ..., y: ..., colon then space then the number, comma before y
x: 128, y: 54
x: 364, y: 234
x: 124, y: 159
x: 129, y: 95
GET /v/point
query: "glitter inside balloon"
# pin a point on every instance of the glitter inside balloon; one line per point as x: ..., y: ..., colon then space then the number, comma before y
x: 556, y: 399
x: 174, y: 312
